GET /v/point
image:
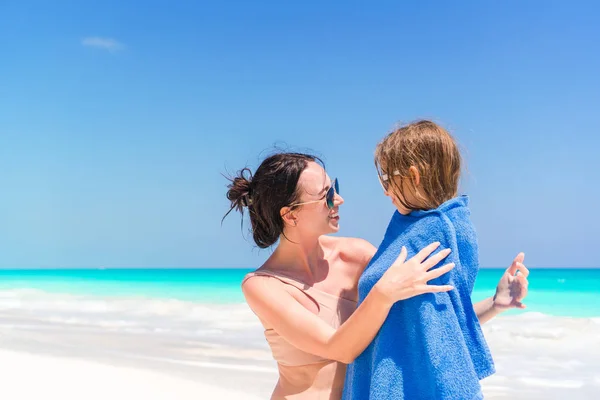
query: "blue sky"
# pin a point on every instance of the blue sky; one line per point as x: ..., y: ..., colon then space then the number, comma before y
x: 117, y: 121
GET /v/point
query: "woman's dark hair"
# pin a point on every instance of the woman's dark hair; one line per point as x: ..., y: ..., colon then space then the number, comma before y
x: 273, y: 186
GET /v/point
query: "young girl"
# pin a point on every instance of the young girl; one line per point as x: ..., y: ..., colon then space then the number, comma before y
x: 430, y: 346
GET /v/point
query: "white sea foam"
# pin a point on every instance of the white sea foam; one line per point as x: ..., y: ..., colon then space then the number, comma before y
x: 132, y: 314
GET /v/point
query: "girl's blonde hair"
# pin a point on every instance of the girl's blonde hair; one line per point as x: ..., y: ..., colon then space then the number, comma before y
x: 432, y: 151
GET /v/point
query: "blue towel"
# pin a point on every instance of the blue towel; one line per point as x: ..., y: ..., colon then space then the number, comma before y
x: 430, y: 346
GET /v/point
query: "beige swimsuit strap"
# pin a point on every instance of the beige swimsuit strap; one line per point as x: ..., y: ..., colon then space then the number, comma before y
x: 317, y: 296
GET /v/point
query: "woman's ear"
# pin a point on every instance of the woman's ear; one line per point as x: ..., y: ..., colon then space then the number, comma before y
x: 288, y: 216
x: 414, y: 175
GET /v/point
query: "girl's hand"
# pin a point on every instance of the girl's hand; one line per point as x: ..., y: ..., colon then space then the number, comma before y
x: 512, y: 288
x: 405, y: 279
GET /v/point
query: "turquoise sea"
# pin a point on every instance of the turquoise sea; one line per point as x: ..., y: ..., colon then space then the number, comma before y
x: 560, y: 292
x: 196, y: 319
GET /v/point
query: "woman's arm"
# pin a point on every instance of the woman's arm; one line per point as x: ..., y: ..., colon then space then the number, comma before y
x: 306, y: 331
x: 510, y: 292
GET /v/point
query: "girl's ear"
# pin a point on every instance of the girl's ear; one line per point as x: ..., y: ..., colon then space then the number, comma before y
x: 415, y: 175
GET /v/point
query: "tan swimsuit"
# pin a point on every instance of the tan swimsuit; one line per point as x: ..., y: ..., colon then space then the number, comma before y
x: 305, y: 376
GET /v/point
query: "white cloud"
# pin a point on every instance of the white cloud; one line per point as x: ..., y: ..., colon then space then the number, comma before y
x: 108, y: 44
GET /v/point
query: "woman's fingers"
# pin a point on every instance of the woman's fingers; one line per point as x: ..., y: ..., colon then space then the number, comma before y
x: 435, y: 259
x: 436, y: 273
x: 425, y: 252
x: 401, y: 257
x: 435, y: 288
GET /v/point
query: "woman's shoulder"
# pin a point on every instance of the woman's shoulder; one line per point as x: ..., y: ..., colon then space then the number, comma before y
x: 353, y: 250
x: 262, y: 286
x: 252, y: 279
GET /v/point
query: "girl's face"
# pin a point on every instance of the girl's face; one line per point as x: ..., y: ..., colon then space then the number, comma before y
x: 400, y: 190
x: 397, y: 198
x: 313, y: 216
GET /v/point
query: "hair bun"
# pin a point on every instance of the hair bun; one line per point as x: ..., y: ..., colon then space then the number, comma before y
x: 239, y: 189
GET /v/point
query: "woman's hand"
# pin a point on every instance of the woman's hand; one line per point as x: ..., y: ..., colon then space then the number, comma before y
x: 405, y: 279
x: 512, y: 288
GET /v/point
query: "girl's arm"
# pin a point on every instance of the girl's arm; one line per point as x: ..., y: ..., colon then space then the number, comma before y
x: 277, y: 308
x: 510, y: 292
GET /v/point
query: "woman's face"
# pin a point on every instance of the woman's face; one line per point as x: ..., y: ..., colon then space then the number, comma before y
x: 316, y: 218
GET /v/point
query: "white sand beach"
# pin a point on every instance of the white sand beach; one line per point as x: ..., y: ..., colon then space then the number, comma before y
x: 27, y: 376
x: 68, y: 347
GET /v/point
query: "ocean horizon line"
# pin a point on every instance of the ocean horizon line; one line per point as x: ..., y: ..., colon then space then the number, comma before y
x: 228, y: 268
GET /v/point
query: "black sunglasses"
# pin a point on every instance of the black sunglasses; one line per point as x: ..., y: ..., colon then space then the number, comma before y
x: 329, y: 196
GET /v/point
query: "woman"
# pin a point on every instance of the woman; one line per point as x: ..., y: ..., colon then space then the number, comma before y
x: 305, y: 293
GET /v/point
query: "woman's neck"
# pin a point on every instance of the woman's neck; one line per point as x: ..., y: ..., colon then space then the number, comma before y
x: 300, y: 258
